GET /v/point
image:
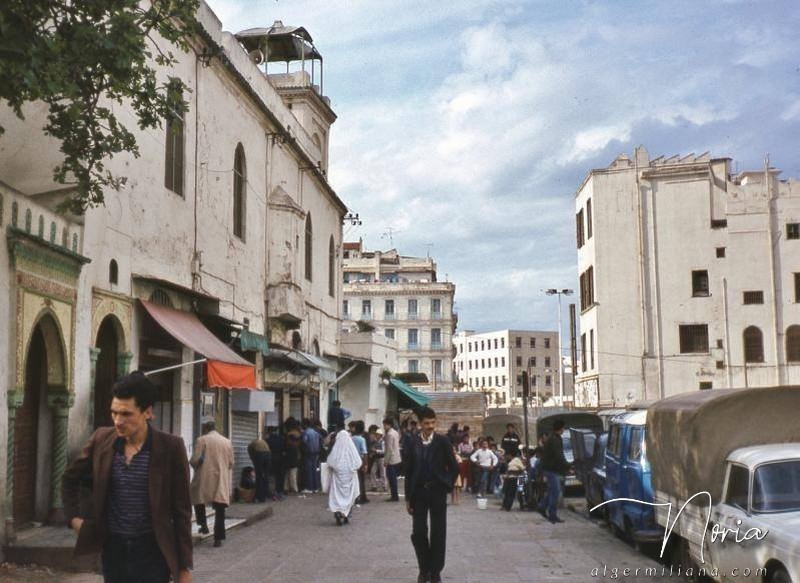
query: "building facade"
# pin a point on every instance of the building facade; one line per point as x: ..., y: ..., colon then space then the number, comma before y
x: 227, y: 231
x: 689, y: 277
x: 493, y: 363
x: 401, y: 297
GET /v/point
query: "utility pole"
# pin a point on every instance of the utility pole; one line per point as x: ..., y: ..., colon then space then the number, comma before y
x: 573, y: 345
x: 559, y: 293
x: 525, y: 398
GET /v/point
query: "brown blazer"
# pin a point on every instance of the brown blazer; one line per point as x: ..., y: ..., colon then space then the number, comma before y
x: 86, y: 486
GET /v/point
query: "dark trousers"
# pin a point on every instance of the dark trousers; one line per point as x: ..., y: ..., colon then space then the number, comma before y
x: 278, y: 471
x: 430, y: 551
x: 509, y: 491
x: 392, y: 472
x: 261, y: 462
x: 134, y: 560
x: 549, y: 502
x: 310, y: 465
x: 219, y: 519
x: 362, y: 483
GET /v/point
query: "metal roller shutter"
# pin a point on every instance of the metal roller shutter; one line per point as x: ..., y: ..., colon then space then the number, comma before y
x: 244, y: 429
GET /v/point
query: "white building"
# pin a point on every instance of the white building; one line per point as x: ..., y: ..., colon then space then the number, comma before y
x: 401, y: 297
x: 227, y: 230
x: 690, y: 278
x: 493, y: 363
x: 362, y: 389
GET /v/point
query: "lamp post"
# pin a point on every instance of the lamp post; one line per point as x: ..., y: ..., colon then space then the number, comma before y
x: 559, y: 293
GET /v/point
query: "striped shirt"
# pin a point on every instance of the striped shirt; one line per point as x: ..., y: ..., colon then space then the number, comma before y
x: 129, y: 497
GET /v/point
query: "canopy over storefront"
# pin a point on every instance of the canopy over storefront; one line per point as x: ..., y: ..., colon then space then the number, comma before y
x: 225, y: 368
x: 410, y: 392
x: 303, y: 360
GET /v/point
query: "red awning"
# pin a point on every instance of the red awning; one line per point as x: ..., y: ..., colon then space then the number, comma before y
x: 226, y: 369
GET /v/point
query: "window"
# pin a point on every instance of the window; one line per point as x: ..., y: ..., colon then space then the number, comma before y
x: 693, y: 338
x: 700, y: 283
x: 413, y: 366
x: 797, y: 288
x: 793, y: 344
x: 495, y: 362
x: 519, y: 361
x: 591, y: 349
x: 504, y: 380
x: 469, y: 347
x: 548, y: 381
x: 331, y: 268
x: 502, y: 361
x: 547, y: 362
x: 518, y: 342
x: 389, y: 333
x: 173, y: 166
x: 753, y: 297
x: 588, y: 218
x: 720, y: 365
x: 495, y: 343
x: 753, y: 344
x: 583, y: 352
x: 239, y: 187
x: 483, y: 363
x: 503, y: 341
x: 720, y: 252
x: 436, y: 337
x: 738, y: 486
x: 587, y: 289
x: 436, y: 308
x: 413, y: 338
x: 547, y: 343
x: 532, y: 361
x: 613, y: 441
x: 635, y: 449
x: 469, y: 364
x: 437, y: 370
x: 388, y: 309
x: 706, y: 385
x: 793, y: 230
x: 533, y: 342
x: 346, y: 309
x: 113, y: 272
x: 309, y: 247
x: 412, y: 309
x: 579, y: 228
x: 519, y: 380
x: 366, y: 309
x: 496, y: 381
x: 533, y: 380
x: 483, y: 346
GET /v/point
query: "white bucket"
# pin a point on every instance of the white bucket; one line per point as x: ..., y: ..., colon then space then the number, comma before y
x: 483, y: 503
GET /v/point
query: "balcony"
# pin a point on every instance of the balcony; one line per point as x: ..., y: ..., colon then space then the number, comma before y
x: 366, y: 315
x: 436, y: 315
x: 389, y: 316
x: 436, y: 345
x: 413, y: 345
x: 413, y: 315
x: 286, y: 303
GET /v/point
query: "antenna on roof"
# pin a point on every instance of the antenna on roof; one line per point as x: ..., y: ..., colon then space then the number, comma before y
x: 429, y: 245
x: 389, y: 234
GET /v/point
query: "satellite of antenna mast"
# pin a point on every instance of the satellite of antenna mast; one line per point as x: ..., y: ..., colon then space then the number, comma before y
x: 389, y: 234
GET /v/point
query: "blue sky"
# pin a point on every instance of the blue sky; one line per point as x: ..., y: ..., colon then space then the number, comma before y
x: 470, y: 124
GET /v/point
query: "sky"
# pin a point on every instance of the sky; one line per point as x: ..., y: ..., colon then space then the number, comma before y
x: 466, y: 126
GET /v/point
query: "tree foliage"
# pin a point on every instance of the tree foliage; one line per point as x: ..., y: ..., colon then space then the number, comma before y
x: 81, y: 57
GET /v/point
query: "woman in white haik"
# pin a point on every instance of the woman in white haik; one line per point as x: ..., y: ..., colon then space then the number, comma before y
x: 343, y: 463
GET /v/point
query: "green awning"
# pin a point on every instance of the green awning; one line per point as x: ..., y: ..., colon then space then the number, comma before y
x: 252, y: 341
x: 410, y: 392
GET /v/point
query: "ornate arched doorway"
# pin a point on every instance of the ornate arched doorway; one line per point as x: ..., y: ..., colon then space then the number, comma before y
x: 107, y: 372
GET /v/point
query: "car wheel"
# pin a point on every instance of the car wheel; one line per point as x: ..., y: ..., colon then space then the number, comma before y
x: 780, y: 575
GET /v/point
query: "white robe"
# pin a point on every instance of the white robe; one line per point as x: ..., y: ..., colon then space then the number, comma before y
x: 343, y: 463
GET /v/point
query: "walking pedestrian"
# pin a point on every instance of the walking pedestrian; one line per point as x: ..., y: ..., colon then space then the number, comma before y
x: 312, y: 445
x: 212, y: 460
x: 464, y: 451
x: 278, y: 466
x: 553, y: 465
x: 391, y: 459
x: 261, y: 456
x: 343, y: 463
x: 456, y: 495
x: 430, y: 474
x: 292, y: 453
x: 376, y: 450
x: 139, y: 488
x: 486, y: 461
x: 357, y: 430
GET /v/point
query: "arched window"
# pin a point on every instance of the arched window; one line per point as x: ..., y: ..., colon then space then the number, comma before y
x: 331, y: 268
x: 793, y: 344
x: 309, y: 247
x: 753, y: 344
x: 113, y: 272
x: 239, y: 187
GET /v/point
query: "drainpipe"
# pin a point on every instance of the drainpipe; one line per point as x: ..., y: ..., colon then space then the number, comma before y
x: 642, y: 291
x: 774, y: 280
x: 728, y: 364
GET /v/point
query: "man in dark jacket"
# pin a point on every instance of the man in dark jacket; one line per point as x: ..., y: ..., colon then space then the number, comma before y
x: 139, y: 482
x: 278, y: 466
x: 554, y: 465
x: 510, y: 441
x: 431, y: 470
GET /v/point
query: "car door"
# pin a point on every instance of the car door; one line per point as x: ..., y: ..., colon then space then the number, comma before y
x: 613, y: 487
x: 731, y: 517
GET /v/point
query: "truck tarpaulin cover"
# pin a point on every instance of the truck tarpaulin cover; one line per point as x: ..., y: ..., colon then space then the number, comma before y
x: 226, y: 369
x: 690, y: 436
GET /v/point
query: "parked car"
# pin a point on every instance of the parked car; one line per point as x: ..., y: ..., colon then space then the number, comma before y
x: 594, y: 481
x: 573, y: 420
x: 582, y: 442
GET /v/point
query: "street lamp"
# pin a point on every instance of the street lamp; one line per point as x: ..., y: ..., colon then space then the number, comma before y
x: 559, y: 293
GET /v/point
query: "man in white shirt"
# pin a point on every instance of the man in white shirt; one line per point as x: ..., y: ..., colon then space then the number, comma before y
x: 391, y: 460
x: 486, y: 461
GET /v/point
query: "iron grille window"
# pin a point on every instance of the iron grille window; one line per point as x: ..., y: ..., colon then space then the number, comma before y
x: 239, y: 195
x: 579, y: 228
x: 797, y: 288
x: 693, y: 338
x: 706, y: 385
x: 793, y: 344
x: 793, y: 230
x: 720, y: 252
x: 753, y: 297
x: 700, y: 283
x: 587, y: 289
x: 519, y: 361
x: 518, y: 342
x: 753, y: 344
x: 583, y: 352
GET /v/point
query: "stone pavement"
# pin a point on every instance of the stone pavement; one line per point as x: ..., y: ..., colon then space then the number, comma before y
x: 300, y: 542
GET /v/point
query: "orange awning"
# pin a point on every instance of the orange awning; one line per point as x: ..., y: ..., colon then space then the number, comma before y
x: 225, y: 368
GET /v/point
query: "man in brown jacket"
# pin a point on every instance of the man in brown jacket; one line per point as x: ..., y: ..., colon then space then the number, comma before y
x: 137, y: 479
x: 212, y: 460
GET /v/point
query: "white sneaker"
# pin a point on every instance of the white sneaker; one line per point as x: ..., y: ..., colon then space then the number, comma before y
x: 305, y: 492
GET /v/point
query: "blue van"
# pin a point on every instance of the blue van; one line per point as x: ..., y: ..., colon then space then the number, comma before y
x: 628, y: 476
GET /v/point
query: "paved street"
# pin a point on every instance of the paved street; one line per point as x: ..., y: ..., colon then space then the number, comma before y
x: 300, y: 542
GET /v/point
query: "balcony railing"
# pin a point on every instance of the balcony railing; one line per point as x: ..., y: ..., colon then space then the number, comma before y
x: 413, y: 315
x: 366, y: 315
x: 436, y: 345
x: 436, y: 316
x: 413, y: 345
x: 388, y: 316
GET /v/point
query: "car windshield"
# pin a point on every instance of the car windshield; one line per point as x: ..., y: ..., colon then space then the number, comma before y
x: 776, y: 487
x: 566, y: 438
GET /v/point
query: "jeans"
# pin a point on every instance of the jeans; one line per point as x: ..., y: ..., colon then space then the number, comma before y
x: 484, y: 480
x: 219, y: 518
x: 378, y: 474
x: 392, y: 471
x: 549, y: 501
x: 261, y: 462
x: 134, y: 560
x: 430, y: 552
x: 310, y: 465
